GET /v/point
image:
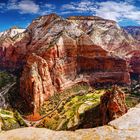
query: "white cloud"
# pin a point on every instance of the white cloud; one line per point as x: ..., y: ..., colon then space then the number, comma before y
x: 82, y: 6
x: 47, y: 9
x: 27, y: 6
x: 50, y: 6
x: 119, y: 10
x: 24, y: 6
x: 65, y: 12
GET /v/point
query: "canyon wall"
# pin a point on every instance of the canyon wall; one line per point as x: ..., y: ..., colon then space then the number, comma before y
x: 56, y: 53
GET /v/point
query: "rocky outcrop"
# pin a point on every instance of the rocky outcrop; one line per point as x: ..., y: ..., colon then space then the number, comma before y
x: 8, y: 49
x: 125, y: 127
x: 113, y: 105
x: 67, y: 51
x: 36, y: 82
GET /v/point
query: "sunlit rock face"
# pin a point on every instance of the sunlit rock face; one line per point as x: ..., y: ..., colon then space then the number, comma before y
x: 107, y: 34
x: 113, y: 105
x: 8, y: 55
x: 71, y: 56
x: 56, y: 53
x: 36, y: 82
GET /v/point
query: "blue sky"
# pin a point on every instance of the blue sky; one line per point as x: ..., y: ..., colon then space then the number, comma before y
x: 22, y: 12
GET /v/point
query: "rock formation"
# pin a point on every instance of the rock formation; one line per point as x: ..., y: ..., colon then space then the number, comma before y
x: 113, y: 105
x: 36, y: 83
x: 135, y: 62
x: 8, y: 48
x: 56, y: 53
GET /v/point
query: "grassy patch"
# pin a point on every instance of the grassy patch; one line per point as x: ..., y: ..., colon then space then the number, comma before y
x: 11, y: 120
x: 132, y: 101
x: 77, y: 100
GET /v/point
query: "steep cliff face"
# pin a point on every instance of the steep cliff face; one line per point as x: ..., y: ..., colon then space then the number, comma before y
x: 135, y: 61
x: 106, y: 33
x: 56, y: 53
x: 102, y: 66
x: 8, y: 55
x: 71, y: 57
x: 36, y: 83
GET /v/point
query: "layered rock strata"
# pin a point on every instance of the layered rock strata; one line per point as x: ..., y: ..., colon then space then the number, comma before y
x: 67, y: 51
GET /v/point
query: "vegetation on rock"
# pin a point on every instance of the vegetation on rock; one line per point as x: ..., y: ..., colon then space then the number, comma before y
x: 10, y: 120
x: 69, y: 114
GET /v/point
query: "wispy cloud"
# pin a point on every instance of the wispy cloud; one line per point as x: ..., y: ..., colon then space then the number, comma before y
x: 47, y: 8
x: 27, y: 7
x: 82, y: 6
x: 2, y: 5
x: 118, y: 11
x: 114, y: 10
x: 24, y: 6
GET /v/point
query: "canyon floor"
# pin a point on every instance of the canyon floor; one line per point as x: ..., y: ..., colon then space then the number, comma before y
x: 126, y: 127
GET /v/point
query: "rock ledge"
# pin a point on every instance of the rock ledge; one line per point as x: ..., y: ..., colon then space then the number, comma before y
x: 123, y: 128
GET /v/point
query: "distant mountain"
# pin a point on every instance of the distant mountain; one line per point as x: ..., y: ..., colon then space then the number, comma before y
x: 134, y: 31
x: 11, y: 32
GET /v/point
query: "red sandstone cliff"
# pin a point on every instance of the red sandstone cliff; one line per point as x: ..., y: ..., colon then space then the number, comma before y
x: 56, y: 53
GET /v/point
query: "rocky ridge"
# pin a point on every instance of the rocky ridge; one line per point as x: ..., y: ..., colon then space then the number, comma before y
x: 12, y: 32
x: 55, y: 53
